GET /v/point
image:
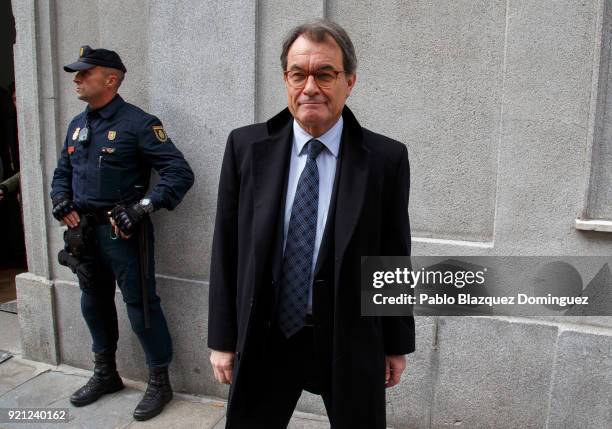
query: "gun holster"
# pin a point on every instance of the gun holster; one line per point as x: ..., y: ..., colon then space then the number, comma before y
x: 79, y: 253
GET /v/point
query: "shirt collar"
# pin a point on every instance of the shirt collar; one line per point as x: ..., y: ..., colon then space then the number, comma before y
x: 331, y: 138
x: 110, y: 109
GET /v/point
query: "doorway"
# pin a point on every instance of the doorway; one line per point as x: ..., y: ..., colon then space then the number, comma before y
x: 12, y: 244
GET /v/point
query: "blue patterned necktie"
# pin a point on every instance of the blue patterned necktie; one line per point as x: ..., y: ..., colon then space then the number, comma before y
x: 297, y: 261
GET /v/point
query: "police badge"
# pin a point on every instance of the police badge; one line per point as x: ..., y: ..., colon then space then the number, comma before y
x: 160, y: 133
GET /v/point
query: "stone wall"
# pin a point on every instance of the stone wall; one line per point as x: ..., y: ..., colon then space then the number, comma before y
x: 502, y: 105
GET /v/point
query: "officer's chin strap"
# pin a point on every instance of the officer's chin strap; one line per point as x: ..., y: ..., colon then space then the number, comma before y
x: 143, y: 246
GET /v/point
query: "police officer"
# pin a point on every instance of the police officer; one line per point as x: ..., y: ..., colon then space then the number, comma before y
x: 104, y: 168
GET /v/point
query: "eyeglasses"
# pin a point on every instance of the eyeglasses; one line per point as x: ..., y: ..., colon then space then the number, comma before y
x: 323, y: 78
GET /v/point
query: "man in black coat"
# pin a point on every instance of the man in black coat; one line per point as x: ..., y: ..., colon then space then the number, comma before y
x: 301, y: 199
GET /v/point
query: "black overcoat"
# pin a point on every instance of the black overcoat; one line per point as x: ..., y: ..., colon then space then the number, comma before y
x: 371, y: 218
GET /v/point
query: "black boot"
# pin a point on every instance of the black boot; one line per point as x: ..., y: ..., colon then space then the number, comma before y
x: 158, y: 394
x: 105, y: 379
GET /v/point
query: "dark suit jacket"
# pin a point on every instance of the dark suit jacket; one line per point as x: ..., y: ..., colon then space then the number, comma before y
x: 370, y: 218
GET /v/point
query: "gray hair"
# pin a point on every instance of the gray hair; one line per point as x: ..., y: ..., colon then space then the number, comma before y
x: 118, y: 73
x: 317, y: 31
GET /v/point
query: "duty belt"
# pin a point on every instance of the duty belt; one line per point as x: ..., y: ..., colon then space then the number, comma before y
x: 97, y: 217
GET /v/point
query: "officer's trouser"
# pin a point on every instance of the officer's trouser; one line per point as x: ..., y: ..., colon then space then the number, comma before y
x: 119, y: 259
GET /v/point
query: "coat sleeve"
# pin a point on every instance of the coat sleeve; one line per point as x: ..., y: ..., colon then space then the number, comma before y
x: 11, y: 185
x: 61, y: 185
x: 222, y: 315
x: 176, y: 176
x: 398, y: 331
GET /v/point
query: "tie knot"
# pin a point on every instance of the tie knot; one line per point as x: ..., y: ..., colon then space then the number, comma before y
x: 314, y: 148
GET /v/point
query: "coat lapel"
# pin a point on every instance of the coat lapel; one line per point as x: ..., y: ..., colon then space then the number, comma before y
x: 352, y: 185
x: 270, y: 161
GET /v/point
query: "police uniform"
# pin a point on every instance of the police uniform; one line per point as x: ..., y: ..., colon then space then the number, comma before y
x: 114, y: 168
x: 106, y: 161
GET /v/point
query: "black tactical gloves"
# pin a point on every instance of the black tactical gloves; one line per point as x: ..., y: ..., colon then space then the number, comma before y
x: 62, y: 207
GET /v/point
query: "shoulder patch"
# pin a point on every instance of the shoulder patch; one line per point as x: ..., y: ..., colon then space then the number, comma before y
x: 160, y: 133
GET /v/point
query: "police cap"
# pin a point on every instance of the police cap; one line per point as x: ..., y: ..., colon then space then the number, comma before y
x: 89, y: 58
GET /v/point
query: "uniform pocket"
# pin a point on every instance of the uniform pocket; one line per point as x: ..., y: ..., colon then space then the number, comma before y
x: 75, y: 153
x: 109, y: 180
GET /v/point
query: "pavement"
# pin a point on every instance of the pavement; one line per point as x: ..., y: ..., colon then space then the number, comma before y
x: 28, y: 384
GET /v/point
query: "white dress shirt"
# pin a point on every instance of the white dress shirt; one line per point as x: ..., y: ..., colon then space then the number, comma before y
x: 326, y: 162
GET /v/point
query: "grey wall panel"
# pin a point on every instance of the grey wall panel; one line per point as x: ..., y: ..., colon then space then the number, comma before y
x: 599, y: 202
x: 76, y: 25
x: 580, y: 396
x: 484, y: 363
x: 275, y: 19
x: 430, y: 75
x: 201, y: 66
x: 547, y: 92
x: 124, y: 27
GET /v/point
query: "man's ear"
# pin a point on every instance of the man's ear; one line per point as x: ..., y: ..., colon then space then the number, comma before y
x: 351, y: 79
x: 111, y: 80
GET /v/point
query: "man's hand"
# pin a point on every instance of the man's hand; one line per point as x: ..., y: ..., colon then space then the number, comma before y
x: 116, y: 229
x: 126, y: 219
x: 394, y: 366
x: 63, y: 210
x: 72, y: 219
x: 223, y: 364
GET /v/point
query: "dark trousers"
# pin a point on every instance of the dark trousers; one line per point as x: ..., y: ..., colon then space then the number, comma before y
x: 119, y: 260
x: 290, y: 365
